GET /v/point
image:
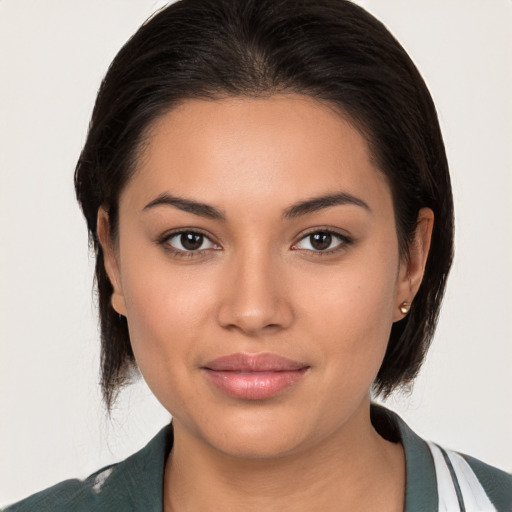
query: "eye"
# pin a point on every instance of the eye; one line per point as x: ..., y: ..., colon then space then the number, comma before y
x: 189, y: 241
x: 322, y: 241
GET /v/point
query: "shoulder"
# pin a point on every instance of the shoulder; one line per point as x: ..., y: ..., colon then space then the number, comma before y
x: 442, y: 479
x: 465, y: 481
x: 131, y: 485
x: 78, y: 495
x: 497, y: 483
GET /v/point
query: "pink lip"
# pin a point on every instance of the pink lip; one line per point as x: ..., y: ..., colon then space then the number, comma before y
x: 253, y: 376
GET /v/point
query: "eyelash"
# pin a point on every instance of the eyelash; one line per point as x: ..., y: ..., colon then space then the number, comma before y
x: 179, y: 253
x: 344, y: 241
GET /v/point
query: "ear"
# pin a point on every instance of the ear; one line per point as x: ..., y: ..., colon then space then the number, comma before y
x: 412, y: 268
x: 110, y: 260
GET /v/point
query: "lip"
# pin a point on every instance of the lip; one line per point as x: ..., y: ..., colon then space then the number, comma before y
x: 253, y: 376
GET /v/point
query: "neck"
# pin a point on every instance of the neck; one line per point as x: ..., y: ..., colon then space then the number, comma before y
x: 353, y: 469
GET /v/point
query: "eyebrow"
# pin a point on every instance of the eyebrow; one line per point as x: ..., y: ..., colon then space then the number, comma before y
x: 319, y: 203
x: 187, y: 205
x: 302, y: 208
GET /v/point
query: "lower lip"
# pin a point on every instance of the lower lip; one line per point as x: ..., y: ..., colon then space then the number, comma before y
x: 254, y: 385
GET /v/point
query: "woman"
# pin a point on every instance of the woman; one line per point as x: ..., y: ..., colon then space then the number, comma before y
x: 267, y: 192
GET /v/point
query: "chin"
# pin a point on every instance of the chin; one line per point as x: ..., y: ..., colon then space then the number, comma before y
x: 257, y: 443
x: 256, y: 431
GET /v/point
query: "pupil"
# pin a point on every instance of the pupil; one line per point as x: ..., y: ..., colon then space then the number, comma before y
x: 321, y: 241
x: 191, y: 241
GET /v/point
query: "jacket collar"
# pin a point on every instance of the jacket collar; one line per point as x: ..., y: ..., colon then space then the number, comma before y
x: 421, y: 482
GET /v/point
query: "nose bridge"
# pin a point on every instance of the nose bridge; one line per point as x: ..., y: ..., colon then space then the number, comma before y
x: 253, y: 298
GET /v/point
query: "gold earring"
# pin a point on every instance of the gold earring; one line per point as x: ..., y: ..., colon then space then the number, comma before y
x: 404, y: 308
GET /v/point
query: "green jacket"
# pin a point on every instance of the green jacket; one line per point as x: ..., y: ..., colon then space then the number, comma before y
x: 437, y: 480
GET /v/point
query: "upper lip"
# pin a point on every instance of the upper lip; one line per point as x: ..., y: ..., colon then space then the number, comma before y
x: 265, y: 362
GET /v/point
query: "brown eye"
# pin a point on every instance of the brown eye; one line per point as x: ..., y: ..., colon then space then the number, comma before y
x: 189, y: 241
x: 320, y: 241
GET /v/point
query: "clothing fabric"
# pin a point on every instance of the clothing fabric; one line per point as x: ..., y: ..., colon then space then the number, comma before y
x: 437, y: 480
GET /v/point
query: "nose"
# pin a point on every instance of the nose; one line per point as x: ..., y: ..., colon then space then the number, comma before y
x: 254, y: 299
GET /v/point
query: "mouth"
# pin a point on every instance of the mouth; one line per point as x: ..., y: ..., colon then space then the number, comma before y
x: 253, y: 376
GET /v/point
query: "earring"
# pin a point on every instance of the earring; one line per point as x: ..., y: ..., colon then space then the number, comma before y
x: 404, y: 308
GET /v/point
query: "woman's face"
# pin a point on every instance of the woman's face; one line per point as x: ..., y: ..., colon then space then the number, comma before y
x: 258, y: 267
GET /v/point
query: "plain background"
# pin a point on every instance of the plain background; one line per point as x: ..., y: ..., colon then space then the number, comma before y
x: 53, y: 54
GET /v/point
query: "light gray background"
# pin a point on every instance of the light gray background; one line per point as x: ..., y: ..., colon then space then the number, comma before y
x: 53, y: 54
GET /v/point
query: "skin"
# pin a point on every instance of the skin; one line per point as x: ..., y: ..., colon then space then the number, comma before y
x: 258, y: 285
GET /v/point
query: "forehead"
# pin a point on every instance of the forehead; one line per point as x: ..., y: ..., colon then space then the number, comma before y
x: 279, y: 148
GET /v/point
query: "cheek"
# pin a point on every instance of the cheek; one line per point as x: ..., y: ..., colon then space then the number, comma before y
x: 350, y: 308
x: 162, y: 305
x: 166, y: 312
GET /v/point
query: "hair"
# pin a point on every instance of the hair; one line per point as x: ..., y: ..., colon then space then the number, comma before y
x: 330, y: 50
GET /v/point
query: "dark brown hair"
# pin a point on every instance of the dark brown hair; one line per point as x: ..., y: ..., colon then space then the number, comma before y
x: 331, y: 50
